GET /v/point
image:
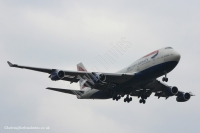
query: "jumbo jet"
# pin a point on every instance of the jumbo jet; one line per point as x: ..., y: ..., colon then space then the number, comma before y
x: 138, y: 79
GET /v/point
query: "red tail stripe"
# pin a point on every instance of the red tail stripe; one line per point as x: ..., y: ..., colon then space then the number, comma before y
x: 81, y: 69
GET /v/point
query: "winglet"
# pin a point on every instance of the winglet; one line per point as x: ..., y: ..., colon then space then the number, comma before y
x: 10, y: 64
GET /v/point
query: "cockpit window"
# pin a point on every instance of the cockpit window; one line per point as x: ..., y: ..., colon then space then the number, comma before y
x: 168, y: 48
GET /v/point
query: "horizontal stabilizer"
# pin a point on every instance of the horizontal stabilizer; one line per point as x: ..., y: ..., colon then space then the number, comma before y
x: 73, y: 92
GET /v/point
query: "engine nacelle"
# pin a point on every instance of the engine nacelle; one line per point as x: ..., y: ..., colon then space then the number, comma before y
x: 98, y: 77
x: 173, y: 90
x: 183, y: 97
x: 57, y: 75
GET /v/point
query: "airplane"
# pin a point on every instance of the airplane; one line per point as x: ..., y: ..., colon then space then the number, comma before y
x: 138, y: 79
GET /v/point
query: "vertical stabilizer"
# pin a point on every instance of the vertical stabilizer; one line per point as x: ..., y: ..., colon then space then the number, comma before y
x: 80, y: 67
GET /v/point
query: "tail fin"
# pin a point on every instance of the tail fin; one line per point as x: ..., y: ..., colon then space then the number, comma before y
x: 80, y: 67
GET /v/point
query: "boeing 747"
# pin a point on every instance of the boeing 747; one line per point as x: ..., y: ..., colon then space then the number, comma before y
x: 138, y: 79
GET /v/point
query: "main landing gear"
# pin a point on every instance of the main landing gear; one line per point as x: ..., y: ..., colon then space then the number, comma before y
x: 142, y: 100
x: 127, y: 99
x: 165, y: 79
x: 116, y: 97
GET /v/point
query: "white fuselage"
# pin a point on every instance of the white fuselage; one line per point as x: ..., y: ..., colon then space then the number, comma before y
x: 152, y: 66
x: 164, y: 55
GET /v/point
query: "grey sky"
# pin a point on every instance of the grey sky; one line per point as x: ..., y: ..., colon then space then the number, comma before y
x: 60, y: 34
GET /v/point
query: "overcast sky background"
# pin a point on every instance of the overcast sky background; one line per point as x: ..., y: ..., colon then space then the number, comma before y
x: 60, y: 34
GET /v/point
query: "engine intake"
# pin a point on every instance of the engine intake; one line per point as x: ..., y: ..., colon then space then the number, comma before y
x: 173, y: 91
x: 57, y: 75
x: 183, y: 97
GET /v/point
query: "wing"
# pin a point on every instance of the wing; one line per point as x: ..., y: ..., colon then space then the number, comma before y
x: 163, y: 90
x: 75, y: 76
x: 155, y: 86
x: 45, y: 70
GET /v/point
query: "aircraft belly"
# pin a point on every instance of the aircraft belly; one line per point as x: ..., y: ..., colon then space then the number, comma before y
x: 146, y: 75
x: 152, y: 72
x: 159, y: 69
x: 100, y: 95
x: 95, y: 94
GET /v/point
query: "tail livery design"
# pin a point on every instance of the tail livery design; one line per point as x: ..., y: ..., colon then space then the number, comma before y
x: 80, y: 67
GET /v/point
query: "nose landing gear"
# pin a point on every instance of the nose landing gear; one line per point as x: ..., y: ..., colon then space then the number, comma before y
x: 165, y: 79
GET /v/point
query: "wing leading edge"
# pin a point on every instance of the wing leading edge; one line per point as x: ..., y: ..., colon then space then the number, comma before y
x: 75, y: 76
x: 45, y: 70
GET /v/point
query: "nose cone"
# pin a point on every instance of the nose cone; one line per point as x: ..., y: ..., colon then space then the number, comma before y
x: 177, y: 56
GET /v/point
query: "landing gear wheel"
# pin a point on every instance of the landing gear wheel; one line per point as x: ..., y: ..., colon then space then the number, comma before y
x: 130, y: 99
x: 118, y: 97
x: 127, y: 99
x: 140, y: 100
x: 165, y: 79
x: 124, y: 99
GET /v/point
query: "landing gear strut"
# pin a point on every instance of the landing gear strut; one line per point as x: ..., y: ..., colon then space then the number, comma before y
x: 128, y: 99
x: 165, y: 79
x: 142, y: 100
x: 116, y: 97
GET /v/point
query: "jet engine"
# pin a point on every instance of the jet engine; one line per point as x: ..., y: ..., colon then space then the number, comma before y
x: 98, y: 77
x: 57, y: 75
x: 173, y: 90
x: 183, y: 97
